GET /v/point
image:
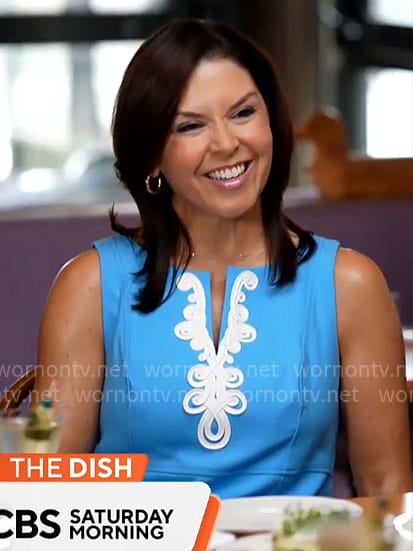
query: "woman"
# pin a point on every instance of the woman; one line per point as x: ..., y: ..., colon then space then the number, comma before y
x: 221, y: 324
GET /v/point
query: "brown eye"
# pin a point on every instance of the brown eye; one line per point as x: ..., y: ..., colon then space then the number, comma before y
x: 188, y: 127
x: 244, y: 113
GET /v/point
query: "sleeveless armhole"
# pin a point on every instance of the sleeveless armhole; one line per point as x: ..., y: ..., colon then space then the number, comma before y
x: 322, y: 295
x: 119, y: 260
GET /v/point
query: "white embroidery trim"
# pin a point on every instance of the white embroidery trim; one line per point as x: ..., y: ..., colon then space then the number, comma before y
x: 214, y: 384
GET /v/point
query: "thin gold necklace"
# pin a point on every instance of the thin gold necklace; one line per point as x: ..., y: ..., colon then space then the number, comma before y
x: 240, y: 256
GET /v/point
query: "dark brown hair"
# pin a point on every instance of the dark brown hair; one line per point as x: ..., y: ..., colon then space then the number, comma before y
x: 146, y: 106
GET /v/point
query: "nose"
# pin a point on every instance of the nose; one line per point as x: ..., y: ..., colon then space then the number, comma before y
x: 223, y: 139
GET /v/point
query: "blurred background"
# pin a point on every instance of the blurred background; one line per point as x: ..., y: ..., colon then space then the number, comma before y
x: 61, y: 62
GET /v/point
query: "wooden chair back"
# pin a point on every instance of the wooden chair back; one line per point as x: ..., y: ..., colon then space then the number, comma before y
x: 18, y: 392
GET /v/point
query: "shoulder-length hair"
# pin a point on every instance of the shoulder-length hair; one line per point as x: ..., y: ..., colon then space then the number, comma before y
x: 145, y: 109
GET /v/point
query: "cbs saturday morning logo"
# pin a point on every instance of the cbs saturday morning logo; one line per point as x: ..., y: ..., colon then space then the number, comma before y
x: 57, y: 508
x: 87, y: 524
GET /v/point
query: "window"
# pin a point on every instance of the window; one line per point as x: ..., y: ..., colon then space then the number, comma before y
x: 61, y: 63
x: 56, y: 98
x: 126, y: 6
x: 98, y: 6
x: 376, y: 74
x: 389, y: 113
x: 391, y: 12
x: 56, y: 114
x: 30, y: 6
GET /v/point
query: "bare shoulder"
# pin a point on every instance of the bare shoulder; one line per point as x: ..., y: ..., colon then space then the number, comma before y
x: 362, y: 295
x: 75, y: 293
x: 356, y: 269
x: 80, y: 276
x: 83, y: 269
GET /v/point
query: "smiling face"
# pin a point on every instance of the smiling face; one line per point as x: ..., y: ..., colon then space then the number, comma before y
x: 218, y: 155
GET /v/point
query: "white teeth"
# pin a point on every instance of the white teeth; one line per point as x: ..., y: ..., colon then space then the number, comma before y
x: 228, y: 173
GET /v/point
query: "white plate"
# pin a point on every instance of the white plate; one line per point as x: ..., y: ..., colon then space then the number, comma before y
x: 261, y: 514
x: 220, y: 538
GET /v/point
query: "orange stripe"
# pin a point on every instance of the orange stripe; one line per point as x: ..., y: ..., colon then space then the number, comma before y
x: 208, y: 524
x: 89, y: 467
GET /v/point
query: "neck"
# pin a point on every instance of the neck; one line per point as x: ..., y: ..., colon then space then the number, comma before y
x: 228, y: 240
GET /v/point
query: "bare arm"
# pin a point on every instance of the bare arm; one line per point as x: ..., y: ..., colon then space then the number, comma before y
x: 70, y: 356
x: 375, y: 403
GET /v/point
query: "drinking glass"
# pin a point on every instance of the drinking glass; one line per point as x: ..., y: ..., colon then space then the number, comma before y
x: 15, y: 438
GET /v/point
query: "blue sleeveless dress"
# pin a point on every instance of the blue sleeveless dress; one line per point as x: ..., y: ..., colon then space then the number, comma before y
x: 257, y: 416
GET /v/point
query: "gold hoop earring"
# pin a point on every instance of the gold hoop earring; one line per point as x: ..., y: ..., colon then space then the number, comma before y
x: 149, y: 181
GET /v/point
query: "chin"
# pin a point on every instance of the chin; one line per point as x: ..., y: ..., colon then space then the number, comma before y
x: 232, y: 212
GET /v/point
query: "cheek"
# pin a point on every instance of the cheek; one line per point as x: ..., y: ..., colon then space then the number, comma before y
x: 264, y: 144
x: 267, y: 143
x: 180, y: 158
x: 262, y: 137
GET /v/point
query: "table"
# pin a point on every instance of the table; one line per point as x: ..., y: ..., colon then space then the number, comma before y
x: 341, y: 538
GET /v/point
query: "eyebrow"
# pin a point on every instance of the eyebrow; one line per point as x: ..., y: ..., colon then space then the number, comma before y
x: 191, y: 114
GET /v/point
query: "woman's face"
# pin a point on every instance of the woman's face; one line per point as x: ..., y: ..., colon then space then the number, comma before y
x: 218, y: 156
